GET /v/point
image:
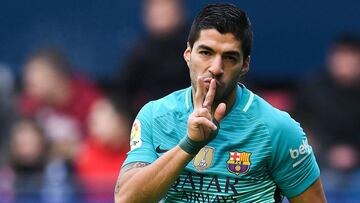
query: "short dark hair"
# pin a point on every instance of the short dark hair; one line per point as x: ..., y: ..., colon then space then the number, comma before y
x: 53, y: 55
x: 225, y: 18
x: 346, y: 41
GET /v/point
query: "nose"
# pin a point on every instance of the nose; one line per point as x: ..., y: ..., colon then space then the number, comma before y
x: 217, y: 66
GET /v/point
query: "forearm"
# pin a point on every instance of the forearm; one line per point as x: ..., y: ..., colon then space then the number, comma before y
x: 151, y: 183
x: 314, y: 194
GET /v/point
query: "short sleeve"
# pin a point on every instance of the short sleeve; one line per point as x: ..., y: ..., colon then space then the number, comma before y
x: 141, y: 144
x: 293, y: 165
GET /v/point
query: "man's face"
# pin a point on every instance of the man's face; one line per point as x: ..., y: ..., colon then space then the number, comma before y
x: 344, y: 65
x: 40, y: 79
x: 218, y: 56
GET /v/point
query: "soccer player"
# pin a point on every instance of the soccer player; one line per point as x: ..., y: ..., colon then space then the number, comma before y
x: 217, y: 141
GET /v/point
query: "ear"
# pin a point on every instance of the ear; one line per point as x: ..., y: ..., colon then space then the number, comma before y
x: 245, y: 67
x: 187, y: 54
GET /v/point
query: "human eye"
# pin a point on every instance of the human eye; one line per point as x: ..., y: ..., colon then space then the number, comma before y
x: 205, y: 53
x: 231, y: 58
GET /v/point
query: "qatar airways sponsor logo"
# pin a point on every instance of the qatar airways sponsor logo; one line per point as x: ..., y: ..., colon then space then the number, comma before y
x: 199, y: 188
x: 301, y: 153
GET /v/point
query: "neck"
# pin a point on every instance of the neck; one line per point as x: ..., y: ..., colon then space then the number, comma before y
x: 228, y: 100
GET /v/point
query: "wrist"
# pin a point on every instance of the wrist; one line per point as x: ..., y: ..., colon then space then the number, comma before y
x: 190, y: 146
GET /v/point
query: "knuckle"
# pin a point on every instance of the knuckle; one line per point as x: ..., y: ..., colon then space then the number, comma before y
x: 191, y: 120
x: 204, y: 111
x: 201, y: 120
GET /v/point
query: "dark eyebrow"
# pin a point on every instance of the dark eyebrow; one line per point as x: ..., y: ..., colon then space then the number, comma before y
x: 232, y: 53
x: 228, y: 53
x: 205, y: 47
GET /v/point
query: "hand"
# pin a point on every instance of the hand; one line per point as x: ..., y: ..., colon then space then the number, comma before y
x: 200, y: 125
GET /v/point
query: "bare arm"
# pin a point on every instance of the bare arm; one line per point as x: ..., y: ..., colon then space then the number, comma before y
x: 138, y: 181
x: 314, y: 194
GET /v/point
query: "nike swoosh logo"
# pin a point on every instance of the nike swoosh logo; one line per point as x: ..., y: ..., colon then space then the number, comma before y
x: 159, y: 150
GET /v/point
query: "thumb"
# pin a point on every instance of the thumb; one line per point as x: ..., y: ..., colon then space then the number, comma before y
x: 220, y: 112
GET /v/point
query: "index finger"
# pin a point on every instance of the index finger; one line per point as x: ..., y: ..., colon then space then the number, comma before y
x: 199, y: 94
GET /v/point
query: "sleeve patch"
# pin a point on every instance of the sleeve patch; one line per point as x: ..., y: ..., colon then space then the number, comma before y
x: 135, y: 136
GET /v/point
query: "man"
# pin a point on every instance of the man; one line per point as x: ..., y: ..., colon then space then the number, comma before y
x: 60, y: 101
x: 147, y: 76
x: 340, y: 79
x: 180, y: 153
x: 56, y: 96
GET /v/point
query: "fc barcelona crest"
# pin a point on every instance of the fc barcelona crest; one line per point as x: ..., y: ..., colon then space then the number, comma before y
x: 204, y: 158
x: 238, y: 162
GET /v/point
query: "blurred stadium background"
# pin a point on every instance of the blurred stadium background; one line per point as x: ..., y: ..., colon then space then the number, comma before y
x: 56, y: 152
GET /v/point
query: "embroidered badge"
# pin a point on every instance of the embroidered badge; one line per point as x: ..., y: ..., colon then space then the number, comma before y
x: 204, y: 158
x: 238, y: 162
x: 135, y: 136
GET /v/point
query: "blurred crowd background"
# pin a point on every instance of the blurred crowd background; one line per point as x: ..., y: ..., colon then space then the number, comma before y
x: 73, y: 75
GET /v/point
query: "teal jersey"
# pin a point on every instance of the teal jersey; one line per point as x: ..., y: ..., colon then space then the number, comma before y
x: 258, y: 150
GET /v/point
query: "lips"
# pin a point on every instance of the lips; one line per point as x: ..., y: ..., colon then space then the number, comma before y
x: 208, y: 80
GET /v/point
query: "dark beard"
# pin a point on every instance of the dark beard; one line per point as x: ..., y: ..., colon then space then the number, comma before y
x: 224, y: 96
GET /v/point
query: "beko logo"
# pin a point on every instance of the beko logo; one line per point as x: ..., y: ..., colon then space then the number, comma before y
x: 304, y: 148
